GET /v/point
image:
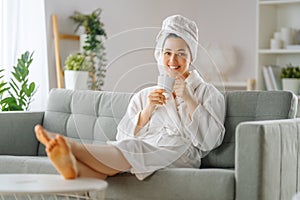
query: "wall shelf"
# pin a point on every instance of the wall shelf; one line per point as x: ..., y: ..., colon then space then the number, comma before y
x: 278, y: 2
x: 278, y: 51
x: 237, y: 85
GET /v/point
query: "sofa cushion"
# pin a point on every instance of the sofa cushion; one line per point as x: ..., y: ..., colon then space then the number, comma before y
x: 26, y: 164
x: 85, y: 115
x: 17, y: 136
x: 174, y: 183
x: 244, y: 106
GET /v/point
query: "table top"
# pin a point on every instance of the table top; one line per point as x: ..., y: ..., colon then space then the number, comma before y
x: 47, y: 183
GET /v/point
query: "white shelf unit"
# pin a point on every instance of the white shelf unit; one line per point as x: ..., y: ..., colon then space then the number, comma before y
x: 239, y: 85
x: 271, y: 17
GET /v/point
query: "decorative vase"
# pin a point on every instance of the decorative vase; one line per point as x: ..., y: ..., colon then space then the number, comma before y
x: 76, y: 80
x: 291, y: 84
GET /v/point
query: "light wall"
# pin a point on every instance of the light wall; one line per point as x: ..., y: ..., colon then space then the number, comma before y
x: 132, y: 25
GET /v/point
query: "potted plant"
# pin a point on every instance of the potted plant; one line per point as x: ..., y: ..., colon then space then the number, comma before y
x: 92, y: 44
x: 77, y: 69
x: 16, y: 95
x: 290, y: 76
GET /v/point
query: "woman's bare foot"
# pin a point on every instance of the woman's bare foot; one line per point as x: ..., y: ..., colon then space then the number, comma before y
x: 59, y: 153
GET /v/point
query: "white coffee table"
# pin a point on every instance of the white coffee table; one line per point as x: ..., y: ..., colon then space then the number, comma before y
x: 20, y: 185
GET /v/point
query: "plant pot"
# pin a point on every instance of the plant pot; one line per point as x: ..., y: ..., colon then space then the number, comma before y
x: 76, y: 80
x: 291, y: 84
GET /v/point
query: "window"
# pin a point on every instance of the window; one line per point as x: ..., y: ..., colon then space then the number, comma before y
x: 22, y: 28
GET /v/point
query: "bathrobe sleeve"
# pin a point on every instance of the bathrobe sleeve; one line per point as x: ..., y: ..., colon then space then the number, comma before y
x: 129, y: 121
x: 207, y: 121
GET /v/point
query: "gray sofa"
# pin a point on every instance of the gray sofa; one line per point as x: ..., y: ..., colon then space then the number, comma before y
x: 257, y: 159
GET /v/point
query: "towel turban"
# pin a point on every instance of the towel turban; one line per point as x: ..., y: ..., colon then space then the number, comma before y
x: 182, y: 27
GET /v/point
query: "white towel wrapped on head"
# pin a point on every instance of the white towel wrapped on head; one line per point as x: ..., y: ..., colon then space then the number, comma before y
x: 182, y: 27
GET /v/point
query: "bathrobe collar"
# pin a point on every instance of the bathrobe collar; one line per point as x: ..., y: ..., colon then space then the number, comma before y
x: 194, y: 80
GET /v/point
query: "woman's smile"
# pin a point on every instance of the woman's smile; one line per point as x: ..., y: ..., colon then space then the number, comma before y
x: 174, y: 67
x: 176, y: 57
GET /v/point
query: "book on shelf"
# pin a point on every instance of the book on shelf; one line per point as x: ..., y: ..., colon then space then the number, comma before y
x: 271, y: 74
x: 267, y: 78
x: 275, y: 71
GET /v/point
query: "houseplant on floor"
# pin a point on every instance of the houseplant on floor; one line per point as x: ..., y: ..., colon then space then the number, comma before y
x: 290, y: 76
x: 92, y: 44
x: 77, y: 68
x: 18, y: 92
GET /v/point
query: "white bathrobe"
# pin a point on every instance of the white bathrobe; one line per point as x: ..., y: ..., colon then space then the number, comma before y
x: 172, y: 138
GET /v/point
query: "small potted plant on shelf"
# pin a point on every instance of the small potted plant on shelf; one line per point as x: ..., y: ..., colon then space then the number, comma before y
x: 290, y: 76
x: 92, y: 44
x: 77, y: 69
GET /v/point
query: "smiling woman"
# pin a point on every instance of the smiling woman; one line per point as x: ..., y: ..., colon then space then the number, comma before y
x: 157, y: 131
x: 22, y: 28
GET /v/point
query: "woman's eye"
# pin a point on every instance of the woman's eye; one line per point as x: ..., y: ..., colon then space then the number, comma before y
x: 182, y: 54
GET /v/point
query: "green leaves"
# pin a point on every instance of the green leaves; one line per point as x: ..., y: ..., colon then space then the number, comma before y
x: 90, y: 22
x: 93, y: 28
x: 93, y: 47
x: 290, y: 71
x: 3, y: 84
x: 75, y: 62
x: 19, y: 91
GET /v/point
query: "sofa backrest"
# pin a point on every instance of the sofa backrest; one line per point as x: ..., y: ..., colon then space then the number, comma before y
x: 92, y: 117
x: 86, y: 116
x: 244, y: 106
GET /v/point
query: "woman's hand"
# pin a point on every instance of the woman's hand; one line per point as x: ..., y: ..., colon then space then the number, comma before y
x: 155, y: 98
x: 180, y: 89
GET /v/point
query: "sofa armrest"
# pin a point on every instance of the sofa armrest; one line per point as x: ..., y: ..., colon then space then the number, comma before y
x: 17, y: 132
x: 267, y: 159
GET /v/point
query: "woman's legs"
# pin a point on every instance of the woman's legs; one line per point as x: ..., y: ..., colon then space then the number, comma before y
x: 85, y: 171
x: 91, y: 160
x: 106, y: 159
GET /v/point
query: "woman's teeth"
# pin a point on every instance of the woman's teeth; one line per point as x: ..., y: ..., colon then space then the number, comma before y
x: 174, y: 67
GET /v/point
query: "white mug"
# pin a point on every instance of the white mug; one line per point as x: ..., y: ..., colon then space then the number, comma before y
x: 166, y: 82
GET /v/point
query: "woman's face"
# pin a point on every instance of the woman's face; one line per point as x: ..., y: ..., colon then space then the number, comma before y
x: 176, y: 57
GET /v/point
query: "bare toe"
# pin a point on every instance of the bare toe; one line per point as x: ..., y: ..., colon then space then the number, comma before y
x: 41, y: 135
x: 51, y: 144
x: 63, y: 143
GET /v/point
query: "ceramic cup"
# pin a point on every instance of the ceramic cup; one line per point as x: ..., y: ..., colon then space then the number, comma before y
x: 166, y: 82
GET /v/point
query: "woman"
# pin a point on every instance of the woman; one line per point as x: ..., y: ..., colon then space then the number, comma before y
x: 156, y: 131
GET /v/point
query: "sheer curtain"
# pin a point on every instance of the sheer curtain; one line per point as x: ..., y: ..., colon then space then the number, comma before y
x: 22, y: 28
